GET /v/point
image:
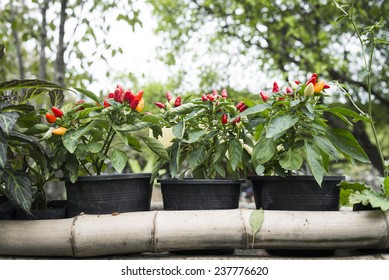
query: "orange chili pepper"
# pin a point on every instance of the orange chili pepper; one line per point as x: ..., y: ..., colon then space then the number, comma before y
x: 59, y: 130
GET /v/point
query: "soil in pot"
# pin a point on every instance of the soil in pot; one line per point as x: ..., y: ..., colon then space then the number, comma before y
x: 56, y: 209
x: 107, y: 194
x: 297, y: 193
x: 203, y: 194
x: 7, y: 209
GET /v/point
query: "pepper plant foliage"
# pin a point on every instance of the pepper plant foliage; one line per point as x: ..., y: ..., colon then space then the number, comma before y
x: 208, y: 137
x: 23, y: 160
x: 88, y: 137
x: 291, y: 130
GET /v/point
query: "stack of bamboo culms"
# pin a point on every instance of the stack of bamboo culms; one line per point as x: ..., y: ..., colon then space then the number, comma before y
x: 159, y: 231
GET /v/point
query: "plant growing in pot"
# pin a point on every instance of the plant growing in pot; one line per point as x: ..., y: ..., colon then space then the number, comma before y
x: 293, y: 137
x: 24, y: 168
x: 206, y: 155
x: 360, y: 194
x: 91, y: 141
x: 206, y: 149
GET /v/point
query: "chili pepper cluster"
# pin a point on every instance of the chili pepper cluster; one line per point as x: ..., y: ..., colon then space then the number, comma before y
x: 170, y: 101
x: 310, y: 88
x: 135, y: 101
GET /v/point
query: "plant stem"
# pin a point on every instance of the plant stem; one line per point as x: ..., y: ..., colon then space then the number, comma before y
x: 368, y: 66
x: 106, y: 146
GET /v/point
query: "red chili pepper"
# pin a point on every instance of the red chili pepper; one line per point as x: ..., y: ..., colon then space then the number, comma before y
x: 50, y: 118
x: 128, y: 97
x: 160, y: 105
x: 134, y: 104
x: 289, y: 90
x: 204, y: 97
x: 177, y: 103
x: 79, y: 103
x: 239, y: 105
x: 236, y: 120
x: 139, y: 95
x: 297, y: 82
x: 211, y: 97
x: 224, y: 93
x: 111, y: 95
x: 215, y: 93
x: 244, y: 107
x: 119, y: 94
x: 106, y: 104
x: 275, y: 87
x: 169, y: 96
x: 57, y: 112
x: 326, y: 86
x: 264, y: 95
x: 224, y: 118
x: 311, y: 80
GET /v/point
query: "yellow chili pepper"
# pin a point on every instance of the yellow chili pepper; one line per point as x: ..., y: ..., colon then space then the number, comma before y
x: 59, y: 131
x: 319, y: 87
x: 140, y: 105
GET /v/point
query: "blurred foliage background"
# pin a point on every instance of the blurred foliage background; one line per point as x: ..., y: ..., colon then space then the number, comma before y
x: 240, y: 45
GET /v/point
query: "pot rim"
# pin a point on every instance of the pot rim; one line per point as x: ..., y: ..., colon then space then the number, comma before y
x: 192, y: 181
x: 122, y: 176
x: 295, y: 178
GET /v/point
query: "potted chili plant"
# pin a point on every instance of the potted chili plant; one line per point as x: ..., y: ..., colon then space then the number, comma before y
x: 207, y: 148
x: 360, y: 194
x: 24, y: 167
x: 92, y: 143
x: 293, y: 138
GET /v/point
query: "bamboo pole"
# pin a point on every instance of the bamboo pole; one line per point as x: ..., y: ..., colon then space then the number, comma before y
x: 158, y: 231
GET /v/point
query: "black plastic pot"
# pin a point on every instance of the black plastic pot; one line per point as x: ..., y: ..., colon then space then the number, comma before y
x: 296, y: 193
x: 200, y: 194
x: 7, y: 209
x: 106, y: 194
x: 56, y: 209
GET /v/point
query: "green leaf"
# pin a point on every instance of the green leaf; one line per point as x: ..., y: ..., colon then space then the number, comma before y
x: 133, y: 127
x: 19, y: 188
x: 73, y: 166
x: 326, y: 146
x: 355, y: 186
x: 220, y: 151
x: 235, y: 151
x: 118, y: 159
x: 347, y: 144
x: 257, y: 217
x: 37, y: 129
x: 280, y: 124
x: 178, y: 129
x: 156, y: 147
x: 264, y: 150
x: 3, y: 151
x: 72, y: 138
x: 314, y: 162
x: 386, y: 186
x: 340, y: 112
x: 197, y: 156
x: 8, y: 121
x: 255, y: 109
x: 94, y: 147
x: 90, y: 94
x: 196, y: 134
x: 368, y: 196
x: 291, y: 160
x: 184, y: 109
x: 174, y: 158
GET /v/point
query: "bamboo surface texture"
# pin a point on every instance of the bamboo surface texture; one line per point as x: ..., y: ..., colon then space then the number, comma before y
x: 160, y: 231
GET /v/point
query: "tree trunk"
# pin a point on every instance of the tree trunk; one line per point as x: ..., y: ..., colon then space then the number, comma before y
x: 59, y: 62
x: 43, y: 42
x: 18, y: 46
